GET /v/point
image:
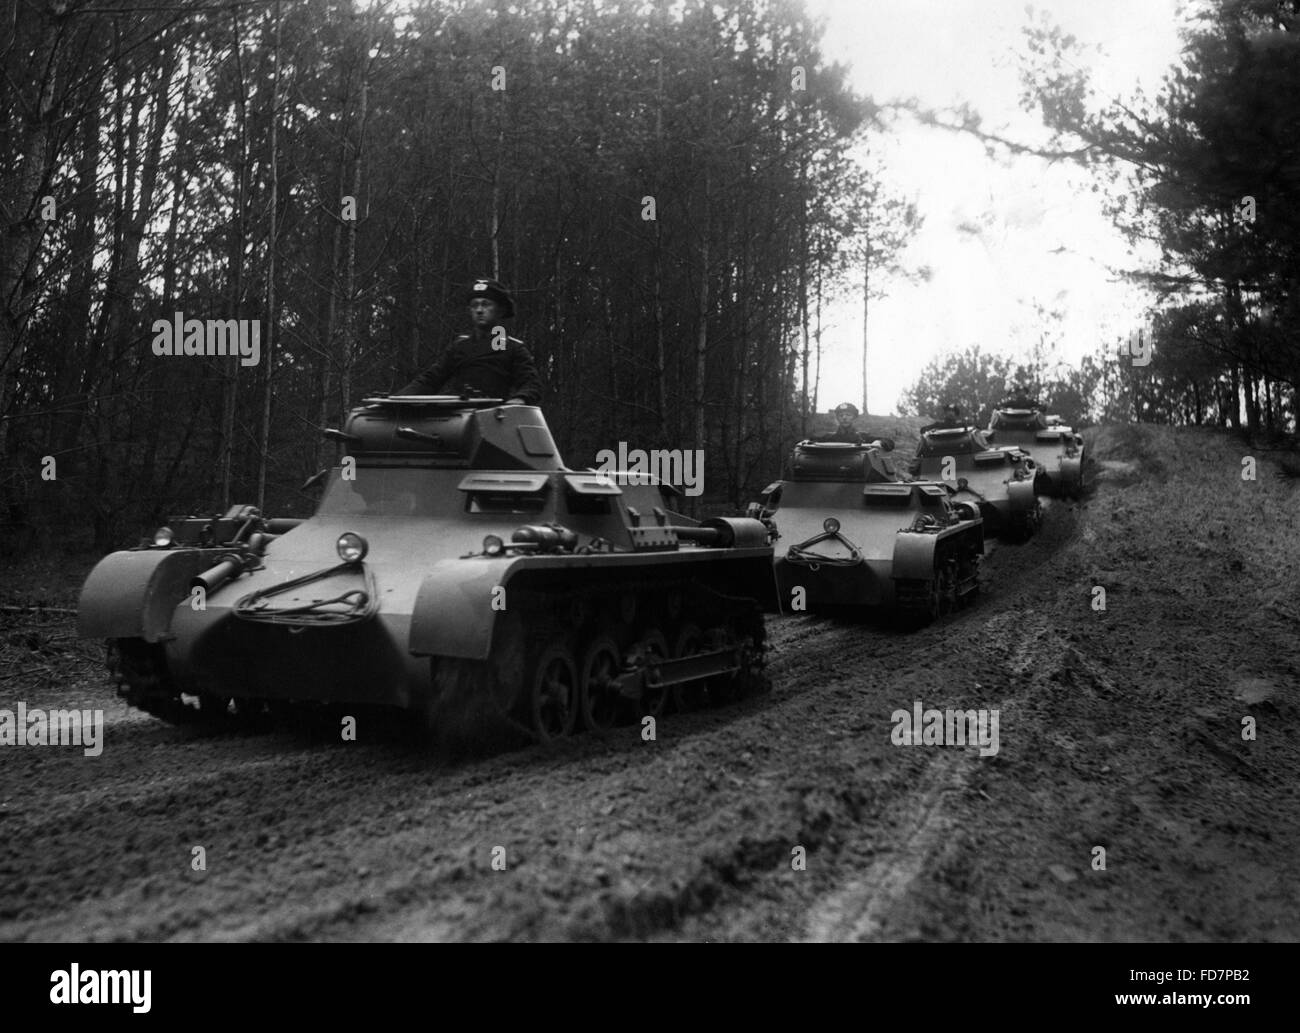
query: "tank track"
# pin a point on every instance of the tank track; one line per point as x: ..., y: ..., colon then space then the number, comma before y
x: 919, y: 602
x: 476, y: 706
x: 1023, y: 526
x: 139, y: 670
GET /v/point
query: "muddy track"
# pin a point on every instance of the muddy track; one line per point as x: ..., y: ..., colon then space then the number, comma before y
x: 1115, y: 731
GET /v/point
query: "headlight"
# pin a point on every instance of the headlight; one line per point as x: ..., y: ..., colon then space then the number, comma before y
x: 163, y: 537
x: 352, y: 548
x: 831, y: 526
x: 493, y: 546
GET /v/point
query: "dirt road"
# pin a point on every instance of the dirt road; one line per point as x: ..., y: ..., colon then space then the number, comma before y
x: 794, y: 816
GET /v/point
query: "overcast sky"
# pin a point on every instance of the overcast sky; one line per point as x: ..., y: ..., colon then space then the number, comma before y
x: 992, y: 226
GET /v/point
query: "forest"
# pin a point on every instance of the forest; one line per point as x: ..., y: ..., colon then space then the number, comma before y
x: 671, y: 192
x: 1208, y: 170
x: 668, y: 192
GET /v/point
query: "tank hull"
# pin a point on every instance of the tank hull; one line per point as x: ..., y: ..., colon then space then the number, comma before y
x: 870, y: 542
x: 1058, y: 456
x: 426, y: 582
x: 1000, y: 480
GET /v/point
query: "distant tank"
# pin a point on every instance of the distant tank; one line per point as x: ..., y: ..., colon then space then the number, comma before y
x: 1000, y: 480
x: 1057, y: 450
x: 851, y: 533
x: 454, y: 567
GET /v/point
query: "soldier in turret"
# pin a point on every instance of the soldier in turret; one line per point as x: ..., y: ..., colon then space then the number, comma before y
x: 1020, y: 398
x: 844, y: 432
x: 951, y: 419
x: 484, y: 363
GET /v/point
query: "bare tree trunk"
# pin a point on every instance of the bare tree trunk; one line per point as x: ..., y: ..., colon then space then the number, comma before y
x: 706, y: 230
x: 20, y: 239
x: 268, y: 351
x: 702, y: 328
x: 1234, y: 409
x: 661, y: 367
x: 817, y: 337
x: 494, y: 220
x: 349, y: 284
x: 328, y: 357
x: 866, y: 315
x: 803, y: 295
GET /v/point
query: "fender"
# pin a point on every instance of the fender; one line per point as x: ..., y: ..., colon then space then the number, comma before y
x: 453, y: 614
x: 1022, y: 496
x: 914, y: 556
x: 1071, y: 472
x: 132, y: 593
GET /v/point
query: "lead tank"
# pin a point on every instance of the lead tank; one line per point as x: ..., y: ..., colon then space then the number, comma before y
x: 1000, y: 480
x: 455, y: 568
x: 1057, y: 450
x: 853, y: 534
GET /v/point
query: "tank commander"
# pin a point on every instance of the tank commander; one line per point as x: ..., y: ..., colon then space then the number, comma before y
x: 1019, y: 399
x: 951, y: 418
x: 844, y: 432
x: 484, y: 363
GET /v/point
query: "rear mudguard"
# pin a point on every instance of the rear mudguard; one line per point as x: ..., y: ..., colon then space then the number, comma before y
x: 459, y: 603
x: 132, y: 594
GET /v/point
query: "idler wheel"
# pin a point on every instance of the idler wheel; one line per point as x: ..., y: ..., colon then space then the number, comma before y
x: 602, y: 662
x: 554, y: 697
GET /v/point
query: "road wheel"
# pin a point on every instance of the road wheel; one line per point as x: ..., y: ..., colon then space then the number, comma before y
x: 554, y: 696
x: 602, y: 662
x: 655, y: 698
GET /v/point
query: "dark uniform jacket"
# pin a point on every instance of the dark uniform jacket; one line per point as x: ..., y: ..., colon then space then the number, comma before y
x: 471, y: 366
x: 846, y: 437
x: 1018, y: 402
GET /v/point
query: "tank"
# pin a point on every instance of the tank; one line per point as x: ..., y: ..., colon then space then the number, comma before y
x: 853, y: 533
x: 999, y: 479
x: 454, y: 568
x: 1057, y: 450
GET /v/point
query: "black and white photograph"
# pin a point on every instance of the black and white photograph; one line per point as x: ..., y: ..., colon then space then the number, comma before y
x: 673, y: 471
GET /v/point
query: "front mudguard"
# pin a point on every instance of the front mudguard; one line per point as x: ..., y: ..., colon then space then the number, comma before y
x: 1071, y: 476
x: 457, y: 605
x: 1023, y: 498
x: 914, y: 556
x: 133, y: 593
